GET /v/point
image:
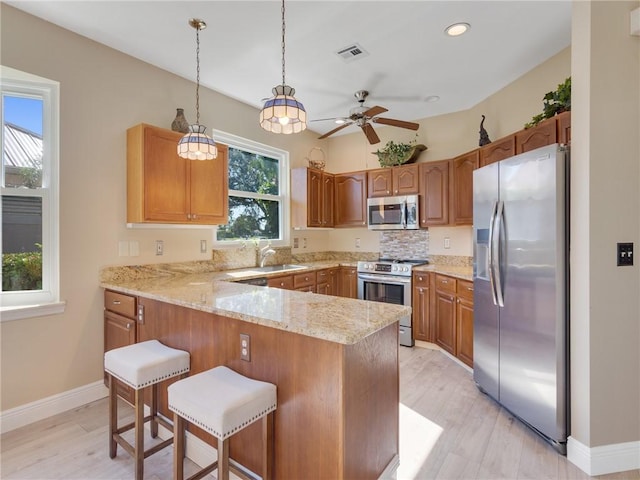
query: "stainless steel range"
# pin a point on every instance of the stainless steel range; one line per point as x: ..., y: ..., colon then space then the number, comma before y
x: 389, y: 281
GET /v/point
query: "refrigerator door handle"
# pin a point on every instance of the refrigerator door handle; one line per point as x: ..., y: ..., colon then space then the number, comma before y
x: 495, y: 254
x: 492, y: 281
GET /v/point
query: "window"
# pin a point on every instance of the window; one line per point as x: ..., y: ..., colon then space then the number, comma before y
x: 258, y: 189
x: 29, y: 187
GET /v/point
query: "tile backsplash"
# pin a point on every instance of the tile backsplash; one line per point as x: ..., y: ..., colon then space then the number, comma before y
x: 404, y: 244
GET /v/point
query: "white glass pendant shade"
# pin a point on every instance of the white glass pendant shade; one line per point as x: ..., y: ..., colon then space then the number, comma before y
x: 197, y: 145
x: 283, y: 113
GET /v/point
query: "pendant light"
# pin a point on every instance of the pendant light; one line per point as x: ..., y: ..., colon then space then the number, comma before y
x: 283, y: 113
x: 197, y: 145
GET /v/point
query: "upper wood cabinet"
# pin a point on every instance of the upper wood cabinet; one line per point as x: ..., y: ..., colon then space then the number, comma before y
x: 165, y: 188
x: 312, y: 198
x: 563, y: 121
x: 498, y: 150
x: 462, y: 187
x: 434, y: 193
x: 545, y: 133
x: 351, y: 199
x: 401, y: 180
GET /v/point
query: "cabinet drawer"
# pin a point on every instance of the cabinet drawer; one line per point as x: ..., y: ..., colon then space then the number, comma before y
x: 322, y: 276
x: 286, y: 282
x: 304, y: 280
x: 465, y: 289
x: 445, y: 284
x: 120, y: 303
x: 421, y: 279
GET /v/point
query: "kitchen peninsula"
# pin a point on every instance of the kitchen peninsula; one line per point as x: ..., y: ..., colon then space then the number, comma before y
x: 334, y: 361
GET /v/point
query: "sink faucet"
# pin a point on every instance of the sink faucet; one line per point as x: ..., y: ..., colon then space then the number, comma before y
x: 265, y: 252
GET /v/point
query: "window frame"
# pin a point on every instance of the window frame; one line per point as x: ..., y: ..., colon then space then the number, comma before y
x: 234, y: 141
x: 25, y: 304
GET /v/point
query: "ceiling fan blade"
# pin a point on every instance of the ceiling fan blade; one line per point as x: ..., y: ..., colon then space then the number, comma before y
x: 371, y: 134
x: 335, y: 130
x: 396, y: 123
x: 373, y: 111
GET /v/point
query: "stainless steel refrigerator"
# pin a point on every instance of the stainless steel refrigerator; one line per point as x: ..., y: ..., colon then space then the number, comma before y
x: 520, y: 228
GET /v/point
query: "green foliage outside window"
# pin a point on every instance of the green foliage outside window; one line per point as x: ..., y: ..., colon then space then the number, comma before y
x: 252, y: 214
x: 22, y: 271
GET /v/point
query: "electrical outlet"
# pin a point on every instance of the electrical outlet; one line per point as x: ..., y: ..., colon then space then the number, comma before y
x: 203, y: 246
x: 357, y: 243
x: 447, y: 242
x: 625, y: 254
x: 245, y: 347
x: 159, y: 247
x: 296, y: 242
x: 304, y: 243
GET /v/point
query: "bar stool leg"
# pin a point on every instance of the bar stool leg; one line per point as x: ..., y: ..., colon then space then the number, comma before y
x: 139, y: 432
x: 223, y: 459
x: 178, y: 445
x: 113, y: 416
x: 267, y: 442
x: 154, y: 410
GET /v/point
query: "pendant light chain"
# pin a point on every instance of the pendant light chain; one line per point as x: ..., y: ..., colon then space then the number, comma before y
x: 198, y: 75
x: 283, y: 30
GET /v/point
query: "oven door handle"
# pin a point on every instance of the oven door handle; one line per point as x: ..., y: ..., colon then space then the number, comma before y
x: 388, y: 279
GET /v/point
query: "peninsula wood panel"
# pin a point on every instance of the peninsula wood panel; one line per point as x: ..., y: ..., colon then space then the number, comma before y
x: 337, y: 410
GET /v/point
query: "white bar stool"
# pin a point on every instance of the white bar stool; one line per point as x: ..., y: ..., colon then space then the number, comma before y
x: 222, y: 402
x: 141, y: 365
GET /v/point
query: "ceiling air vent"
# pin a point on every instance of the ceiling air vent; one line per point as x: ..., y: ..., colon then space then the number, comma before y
x: 352, y: 52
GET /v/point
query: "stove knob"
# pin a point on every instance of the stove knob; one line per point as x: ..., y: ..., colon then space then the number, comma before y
x: 395, y: 268
x: 405, y: 269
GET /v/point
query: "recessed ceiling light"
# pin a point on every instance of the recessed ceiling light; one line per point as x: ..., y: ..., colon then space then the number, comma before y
x: 457, y: 29
x: 432, y: 98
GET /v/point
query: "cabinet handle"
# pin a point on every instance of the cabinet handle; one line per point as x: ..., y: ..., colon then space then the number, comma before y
x: 470, y: 288
x: 282, y: 284
x: 128, y: 326
x: 116, y: 302
x: 444, y: 281
x: 188, y: 216
x: 194, y: 216
x: 420, y: 278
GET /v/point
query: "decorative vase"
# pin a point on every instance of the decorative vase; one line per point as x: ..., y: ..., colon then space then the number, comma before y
x: 180, y: 123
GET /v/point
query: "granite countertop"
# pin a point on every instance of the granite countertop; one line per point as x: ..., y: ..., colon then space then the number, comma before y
x: 462, y: 272
x: 336, y: 319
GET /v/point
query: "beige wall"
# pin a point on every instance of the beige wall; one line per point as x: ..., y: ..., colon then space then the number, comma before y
x: 605, y: 184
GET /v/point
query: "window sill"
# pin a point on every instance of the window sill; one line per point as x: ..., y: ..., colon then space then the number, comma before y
x: 8, y: 314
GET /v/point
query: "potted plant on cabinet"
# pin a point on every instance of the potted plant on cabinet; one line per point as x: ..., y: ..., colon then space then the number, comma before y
x: 399, y: 153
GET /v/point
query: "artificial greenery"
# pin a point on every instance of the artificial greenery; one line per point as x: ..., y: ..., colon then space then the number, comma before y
x: 398, y: 153
x: 22, y: 271
x: 554, y: 102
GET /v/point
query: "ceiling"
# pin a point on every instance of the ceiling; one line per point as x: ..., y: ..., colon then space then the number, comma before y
x: 408, y: 56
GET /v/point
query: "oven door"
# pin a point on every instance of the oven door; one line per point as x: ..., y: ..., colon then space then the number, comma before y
x: 384, y: 288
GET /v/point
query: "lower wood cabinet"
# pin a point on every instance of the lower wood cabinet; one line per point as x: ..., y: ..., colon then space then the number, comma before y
x: 464, y: 322
x: 445, y: 313
x: 283, y: 281
x: 421, y: 305
x: 327, y: 281
x: 305, y: 282
x: 119, y: 330
x: 348, y: 283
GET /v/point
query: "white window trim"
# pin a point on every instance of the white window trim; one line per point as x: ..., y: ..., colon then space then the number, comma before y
x: 283, y: 161
x: 15, y: 305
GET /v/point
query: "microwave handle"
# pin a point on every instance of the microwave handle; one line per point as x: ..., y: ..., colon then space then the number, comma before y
x: 403, y: 219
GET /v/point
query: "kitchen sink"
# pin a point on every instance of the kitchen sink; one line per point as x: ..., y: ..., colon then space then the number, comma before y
x: 278, y: 268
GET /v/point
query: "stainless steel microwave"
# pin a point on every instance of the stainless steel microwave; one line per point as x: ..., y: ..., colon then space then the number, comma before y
x: 393, y: 213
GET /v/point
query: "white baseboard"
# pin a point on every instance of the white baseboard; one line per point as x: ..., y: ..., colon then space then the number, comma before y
x: 605, y: 459
x: 32, y: 412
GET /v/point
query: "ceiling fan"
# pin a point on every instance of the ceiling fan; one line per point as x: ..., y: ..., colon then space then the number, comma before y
x: 364, y: 116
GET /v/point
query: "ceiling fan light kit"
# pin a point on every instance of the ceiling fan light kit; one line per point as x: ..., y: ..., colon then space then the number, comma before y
x: 283, y: 113
x: 197, y: 145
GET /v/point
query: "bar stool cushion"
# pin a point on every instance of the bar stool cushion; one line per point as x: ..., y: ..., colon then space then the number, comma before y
x: 221, y: 401
x: 145, y: 363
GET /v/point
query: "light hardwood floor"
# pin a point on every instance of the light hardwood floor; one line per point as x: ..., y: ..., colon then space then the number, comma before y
x: 448, y: 430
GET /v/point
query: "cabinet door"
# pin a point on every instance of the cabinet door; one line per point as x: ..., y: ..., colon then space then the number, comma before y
x: 420, y: 304
x: 119, y: 332
x: 165, y: 178
x: 406, y: 180
x: 462, y: 189
x: 379, y: 182
x: 434, y: 193
x: 348, y: 283
x: 564, y: 128
x: 209, y: 189
x: 332, y: 280
x: 498, y: 150
x: 328, y: 193
x: 445, y: 321
x: 464, y: 333
x: 314, y: 198
x: 351, y: 199
x: 535, y: 137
